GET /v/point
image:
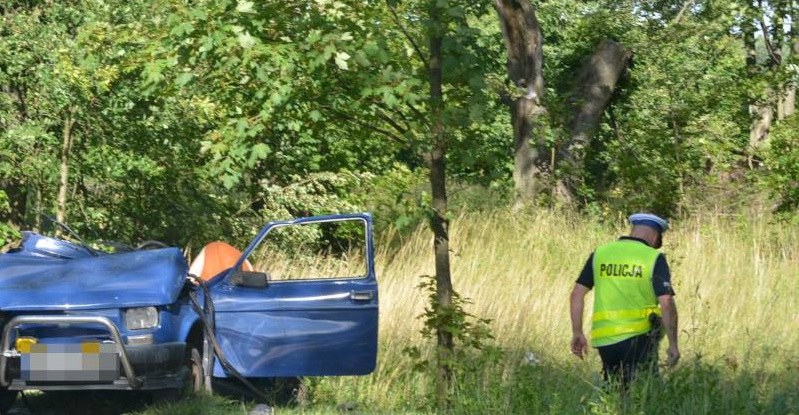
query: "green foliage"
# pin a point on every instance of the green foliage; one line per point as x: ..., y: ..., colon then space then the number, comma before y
x: 677, y: 112
x: 187, y: 114
x: 398, y: 198
x: 278, y: 88
x: 473, y: 349
x: 469, y: 331
x: 7, y: 231
x: 315, y: 194
x: 782, y: 161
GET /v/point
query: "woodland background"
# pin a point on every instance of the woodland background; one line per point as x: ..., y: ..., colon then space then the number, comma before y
x: 184, y: 121
x: 191, y: 121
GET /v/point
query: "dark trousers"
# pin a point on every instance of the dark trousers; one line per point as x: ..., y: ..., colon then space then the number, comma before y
x: 621, y: 361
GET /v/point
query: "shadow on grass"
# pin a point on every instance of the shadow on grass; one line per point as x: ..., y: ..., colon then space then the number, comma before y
x: 88, y: 403
x: 128, y: 403
x: 229, y: 398
x: 699, y: 387
x: 547, y: 385
x: 695, y: 387
x: 551, y: 385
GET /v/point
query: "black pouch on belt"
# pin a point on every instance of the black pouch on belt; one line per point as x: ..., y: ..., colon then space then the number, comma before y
x: 656, y: 333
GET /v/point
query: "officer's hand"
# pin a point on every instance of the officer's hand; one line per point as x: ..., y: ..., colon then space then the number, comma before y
x: 672, y: 355
x: 579, y: 345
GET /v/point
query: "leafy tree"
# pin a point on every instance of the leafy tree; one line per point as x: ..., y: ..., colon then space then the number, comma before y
x: 129, y: 164
x: 675, y: 117
x: 206, y: 118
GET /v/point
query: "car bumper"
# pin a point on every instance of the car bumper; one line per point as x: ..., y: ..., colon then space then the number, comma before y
x: 155, y: 366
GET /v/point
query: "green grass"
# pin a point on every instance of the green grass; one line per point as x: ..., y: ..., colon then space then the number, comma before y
x: 200, y: 404
x: 737, y: 283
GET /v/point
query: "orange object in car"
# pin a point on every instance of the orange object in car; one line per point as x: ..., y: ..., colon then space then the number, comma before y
x: 214, y: 258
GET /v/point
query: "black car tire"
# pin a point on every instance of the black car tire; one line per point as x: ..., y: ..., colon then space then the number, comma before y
x: 196, y: 380
x: 193, y: 384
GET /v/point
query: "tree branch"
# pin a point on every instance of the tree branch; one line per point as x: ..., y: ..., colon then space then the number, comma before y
x: 387, y: 133
x: 775, y: 59
x: 405, y: 32
x: 421, y: 116
x: 401, y: 128
x: 684, y: 8
x: 416, y: 111
x: 391, y: 122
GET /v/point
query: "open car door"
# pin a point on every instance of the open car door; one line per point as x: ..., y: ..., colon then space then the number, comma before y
x: 310, y: 305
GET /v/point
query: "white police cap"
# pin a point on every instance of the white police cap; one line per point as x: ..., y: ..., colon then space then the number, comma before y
x: 648, y: 219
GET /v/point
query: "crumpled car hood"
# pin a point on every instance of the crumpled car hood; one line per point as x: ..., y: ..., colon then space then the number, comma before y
x: 142, y: 278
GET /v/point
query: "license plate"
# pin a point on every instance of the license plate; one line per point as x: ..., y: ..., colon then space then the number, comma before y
x: 84, y: 362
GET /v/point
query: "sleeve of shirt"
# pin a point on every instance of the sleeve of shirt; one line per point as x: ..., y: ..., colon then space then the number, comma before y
x: 661, y: 277
x: 586, y: 278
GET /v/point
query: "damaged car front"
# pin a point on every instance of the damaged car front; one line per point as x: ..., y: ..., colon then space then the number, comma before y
x: 75, y: 319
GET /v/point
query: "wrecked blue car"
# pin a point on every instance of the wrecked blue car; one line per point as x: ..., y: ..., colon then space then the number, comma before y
x: 75, y: 318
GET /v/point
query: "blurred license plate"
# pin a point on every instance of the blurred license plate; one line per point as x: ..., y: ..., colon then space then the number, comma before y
x: 85, y: 362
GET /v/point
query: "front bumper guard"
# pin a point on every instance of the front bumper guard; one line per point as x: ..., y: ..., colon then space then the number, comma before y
x: 133, y: 381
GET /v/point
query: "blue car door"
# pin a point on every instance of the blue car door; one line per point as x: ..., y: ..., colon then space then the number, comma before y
x: 311, y: 315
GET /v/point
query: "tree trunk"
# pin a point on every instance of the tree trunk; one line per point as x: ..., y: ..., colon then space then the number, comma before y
x: 760, y: 107
x: 37, y: 204
x: 780, y: 39
x: 439, y: 222
x: 63, y: 181
x: 763, y: 113
x: 523, y: 42
x: 592, y: 90
x: 789, y: 99
x: 444, y: 290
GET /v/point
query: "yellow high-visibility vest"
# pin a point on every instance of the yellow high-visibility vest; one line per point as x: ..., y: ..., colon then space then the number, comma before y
x: 623, y: 293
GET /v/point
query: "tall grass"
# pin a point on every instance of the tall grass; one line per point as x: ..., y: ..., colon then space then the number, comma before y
x: 737, y: 284
x: 737, y: 287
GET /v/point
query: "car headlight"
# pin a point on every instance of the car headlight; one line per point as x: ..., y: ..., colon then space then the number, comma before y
x: 141, y: 318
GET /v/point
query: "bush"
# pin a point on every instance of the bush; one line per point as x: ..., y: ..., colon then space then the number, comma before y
x: 7, y: 232
x: 782, y: 163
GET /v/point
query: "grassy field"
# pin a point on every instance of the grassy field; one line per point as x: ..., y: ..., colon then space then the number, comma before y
x: 737, y: 284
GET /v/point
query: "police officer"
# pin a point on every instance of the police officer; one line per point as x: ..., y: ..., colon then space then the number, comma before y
x: 633, y: 297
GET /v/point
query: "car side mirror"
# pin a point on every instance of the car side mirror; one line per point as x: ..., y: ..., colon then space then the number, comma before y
x: 251, y: 279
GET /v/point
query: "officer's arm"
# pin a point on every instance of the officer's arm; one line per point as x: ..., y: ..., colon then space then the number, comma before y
x: 579, y: 345
x: 577, y: 304
x: 669, y: 309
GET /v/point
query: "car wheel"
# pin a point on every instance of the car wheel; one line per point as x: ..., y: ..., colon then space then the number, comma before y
x: 7, y: 399
x: 196, y: 380
x: 193, y: 384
